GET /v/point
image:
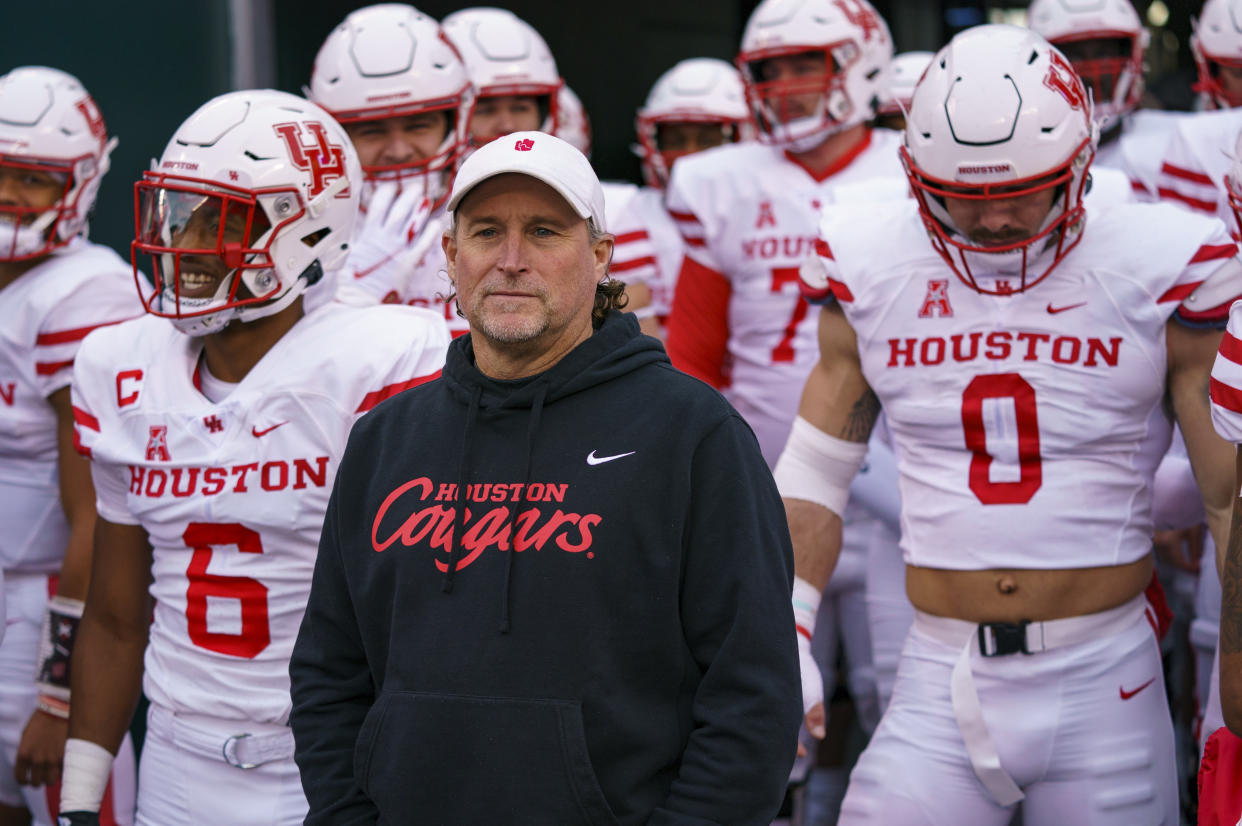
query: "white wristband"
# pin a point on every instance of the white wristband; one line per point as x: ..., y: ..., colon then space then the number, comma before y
x: 85, y: 776
x: 817, y: 467
x: 806, y: 598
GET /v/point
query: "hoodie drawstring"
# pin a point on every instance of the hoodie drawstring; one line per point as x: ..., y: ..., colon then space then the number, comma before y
x: 459, y: 507
x: 532, y: 429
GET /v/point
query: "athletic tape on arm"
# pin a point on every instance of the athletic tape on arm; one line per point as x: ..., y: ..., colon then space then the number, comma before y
x: 85, y: 776
x: 817, y: 467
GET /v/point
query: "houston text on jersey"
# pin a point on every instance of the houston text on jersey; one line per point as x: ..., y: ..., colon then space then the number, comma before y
x: 155, y: 482
x: 1002, y: 345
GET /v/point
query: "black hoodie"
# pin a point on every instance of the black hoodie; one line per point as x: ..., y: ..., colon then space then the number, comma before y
x: 632, y: 662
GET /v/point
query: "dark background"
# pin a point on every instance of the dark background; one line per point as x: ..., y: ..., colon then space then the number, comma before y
x: 150, y: 63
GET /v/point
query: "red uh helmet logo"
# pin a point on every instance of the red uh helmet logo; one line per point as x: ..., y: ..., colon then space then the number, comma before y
x: 323, y: 160
x: 858, y: 14
x: 94, y: 120
x: 524, y: 145
x: 1063, y: 80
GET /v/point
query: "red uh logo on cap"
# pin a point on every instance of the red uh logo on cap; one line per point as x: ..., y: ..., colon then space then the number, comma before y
x: 524, y: 145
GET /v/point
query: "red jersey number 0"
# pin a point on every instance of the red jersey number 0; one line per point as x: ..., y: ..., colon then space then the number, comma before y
x: 1031, y: 476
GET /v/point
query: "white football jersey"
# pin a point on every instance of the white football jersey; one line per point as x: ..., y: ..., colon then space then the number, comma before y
x: 420, y: 281
x: 633, y: 254
x: 1027, y: 427
x: 666, y: 239
x: 1108, y: 186
x: 233, y: 494
x: 1226, y: 383
x: 1140, y: 150
x: 44, y: 315
x: 1197, y: 159
x: 748, y: 214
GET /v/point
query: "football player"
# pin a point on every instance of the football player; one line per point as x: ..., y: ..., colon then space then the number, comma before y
x: 814, y: 72
x: 214, y: 424
x: 1025, y: 353
x: 1199, y: 150
x: 698, y: 104
x: 512, y: 69
x: 904, y: 73
x: 1105, y: 41
x: 387, y: 74
x: 55, y: 287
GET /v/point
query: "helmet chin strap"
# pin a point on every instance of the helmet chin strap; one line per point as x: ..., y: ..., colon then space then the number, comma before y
x: 26, y: 240
x: 804, y: 134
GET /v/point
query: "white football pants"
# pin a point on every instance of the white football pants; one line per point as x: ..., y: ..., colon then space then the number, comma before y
x: 1083, y: 730
x: 184, y: 780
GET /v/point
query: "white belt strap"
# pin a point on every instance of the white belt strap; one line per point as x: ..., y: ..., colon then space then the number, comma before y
x: 242, y: 749
x: 1039, y: 636
x: 984, y: 758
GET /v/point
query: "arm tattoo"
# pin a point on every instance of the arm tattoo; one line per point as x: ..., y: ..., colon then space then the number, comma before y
x: 1231, y: 589
x: 862, y: 418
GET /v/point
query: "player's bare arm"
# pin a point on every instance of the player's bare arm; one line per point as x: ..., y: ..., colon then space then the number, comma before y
x: 825, y: 449
x: 107, y: 660
x: 42, y: 747
x: 1191, y: 354
x: 837, y: 401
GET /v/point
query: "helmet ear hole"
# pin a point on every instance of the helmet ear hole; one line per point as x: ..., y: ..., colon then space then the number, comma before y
x: 313, y: 239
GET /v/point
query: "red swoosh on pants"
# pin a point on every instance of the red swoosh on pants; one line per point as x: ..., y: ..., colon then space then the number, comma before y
x: 1125, y: 695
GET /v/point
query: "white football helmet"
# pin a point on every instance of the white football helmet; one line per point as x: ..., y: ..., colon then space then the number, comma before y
x: 1000, y: 114
x: 391, y: 61
x: 856, y: 47
x: 1115, y: 80
x: 49, y: 126
x: 1217, y: 42
x: 257, y: 192
x: 572, y: 124
x: 903, y: 76
x: 504, y: 55
x: 697, y: 90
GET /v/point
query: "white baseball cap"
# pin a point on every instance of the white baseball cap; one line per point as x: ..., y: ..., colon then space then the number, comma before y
x: 542, y: 156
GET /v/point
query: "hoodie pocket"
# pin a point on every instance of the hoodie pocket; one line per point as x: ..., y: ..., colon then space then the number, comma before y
x: 451, y: 759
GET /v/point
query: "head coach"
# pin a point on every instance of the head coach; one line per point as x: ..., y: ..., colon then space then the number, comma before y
x: 553, y: 584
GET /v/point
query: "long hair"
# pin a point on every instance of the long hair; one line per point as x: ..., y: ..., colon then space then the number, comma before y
x: 609, y: 293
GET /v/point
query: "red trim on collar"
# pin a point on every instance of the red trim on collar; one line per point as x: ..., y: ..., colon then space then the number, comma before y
x: 840, y: 163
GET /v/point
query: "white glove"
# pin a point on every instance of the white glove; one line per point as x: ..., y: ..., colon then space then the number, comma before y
x: 806, y: 605
x: 381, y: 249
